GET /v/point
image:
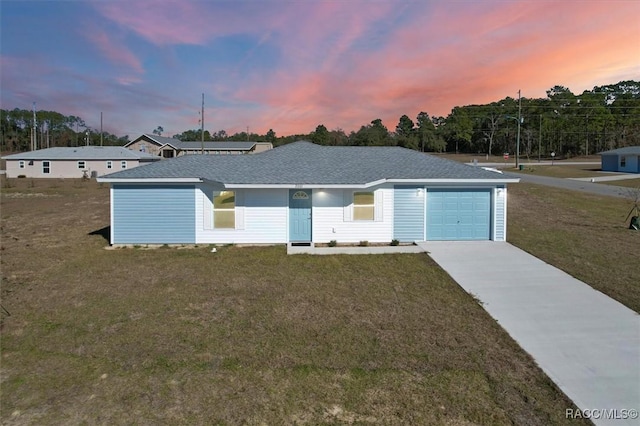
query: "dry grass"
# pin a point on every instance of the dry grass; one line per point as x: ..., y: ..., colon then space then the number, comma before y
x: 585, y: 235
x: 243, y: 336
x: 632, y: 184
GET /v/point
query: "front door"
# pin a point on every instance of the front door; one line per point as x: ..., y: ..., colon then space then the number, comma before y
x: 300, y: 215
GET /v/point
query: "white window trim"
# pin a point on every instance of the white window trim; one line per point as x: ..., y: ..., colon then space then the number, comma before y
x: 123, y: 164
x: 109, y: 164
x: 208, y: 212
x: 48, y: 166
x: 21, y: 164
x: 349, y: 205
x: 84, y: 164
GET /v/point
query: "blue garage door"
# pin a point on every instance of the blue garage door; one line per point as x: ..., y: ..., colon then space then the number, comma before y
x: 458, y: 214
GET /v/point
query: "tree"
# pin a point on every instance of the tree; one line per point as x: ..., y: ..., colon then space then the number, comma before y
x: 158, y: 131
x: 271, y: 136
x: 428, y: 137
x: 405, y: 133
x: 458, y: 130
x: 320, y: 135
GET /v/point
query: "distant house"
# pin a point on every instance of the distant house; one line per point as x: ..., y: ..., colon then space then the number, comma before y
x: 74, y: 162
x: 621, y: 160
x: 170, y: 147
x: 302, y: 193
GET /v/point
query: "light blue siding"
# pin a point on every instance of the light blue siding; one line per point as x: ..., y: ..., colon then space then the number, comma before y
x: 408, y: 213
x: 153, y: 214
x: 458, y: 214
x: 613, y: 163
x: 631, y: 164
x: 609, y: 163
x: 500, y: 216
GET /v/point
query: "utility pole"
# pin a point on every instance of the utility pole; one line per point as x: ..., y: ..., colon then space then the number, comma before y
x: 540, y: 138
x: 202, y: 126
x: 100, y: 128
x: 518, y: 138
x: 34, y: 133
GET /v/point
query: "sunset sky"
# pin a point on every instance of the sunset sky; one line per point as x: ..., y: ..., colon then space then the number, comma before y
x: 290, y: 65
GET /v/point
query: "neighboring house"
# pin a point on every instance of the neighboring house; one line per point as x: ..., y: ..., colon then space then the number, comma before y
x: 170, y: 147
x: 305, y: 193
x: 74, y: 162
x: 621, y: 160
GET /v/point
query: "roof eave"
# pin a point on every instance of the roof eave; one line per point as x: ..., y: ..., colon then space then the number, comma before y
x: 106, y: 179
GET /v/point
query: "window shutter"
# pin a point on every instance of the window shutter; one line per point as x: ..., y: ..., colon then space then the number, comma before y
x: 378, y: 207
x: 240, y: 209
x: 347, y: 199
x: 207, y: 213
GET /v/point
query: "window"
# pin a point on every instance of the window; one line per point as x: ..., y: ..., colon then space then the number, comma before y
x: 363, y: 205
x: 623, y: 161
x: 143, y: 148
x: 123, y: 164
x: 82, y: 165
x: 46, y: 167
x: 21, y: 164
x: 109, y: 164
x: 224, y: 205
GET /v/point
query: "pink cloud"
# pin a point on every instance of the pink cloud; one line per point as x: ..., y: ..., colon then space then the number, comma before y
x: 117, y: 53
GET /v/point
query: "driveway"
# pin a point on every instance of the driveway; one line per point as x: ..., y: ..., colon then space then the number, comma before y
x: 586, y: 342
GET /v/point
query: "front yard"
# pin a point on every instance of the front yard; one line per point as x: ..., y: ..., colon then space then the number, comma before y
x: 241, y: 336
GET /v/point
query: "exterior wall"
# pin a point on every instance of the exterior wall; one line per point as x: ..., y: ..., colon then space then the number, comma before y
x: 609, y: 163
x: 409, y: 213
x: 332, y: 218
x: 262, y: 146
x: 65, y: 168
x: 631, y: 163
x: 159, y: 214
x: 153, y: 214
x: 264, y: 215
x: 261, y: 217
x: 145, y: 146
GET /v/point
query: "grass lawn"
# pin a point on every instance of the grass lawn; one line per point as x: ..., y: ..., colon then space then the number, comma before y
x: 242, y: 336
x: 585, y: 235
x: 633, y: 184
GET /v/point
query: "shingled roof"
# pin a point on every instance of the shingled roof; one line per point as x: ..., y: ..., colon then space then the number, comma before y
x: 304, y: 163
x: 83, y: 153
x: 627, y: 150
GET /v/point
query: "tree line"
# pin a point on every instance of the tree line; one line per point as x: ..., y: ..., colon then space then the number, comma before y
x: 603, y: 118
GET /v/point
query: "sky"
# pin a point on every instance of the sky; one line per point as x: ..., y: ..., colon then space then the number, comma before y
x: 290, y: 65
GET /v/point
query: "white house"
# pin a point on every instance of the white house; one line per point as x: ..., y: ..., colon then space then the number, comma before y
x: 303, y: 193
x: 74, y: 162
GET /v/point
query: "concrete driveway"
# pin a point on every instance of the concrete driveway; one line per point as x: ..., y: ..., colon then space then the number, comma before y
x: 586, y: 342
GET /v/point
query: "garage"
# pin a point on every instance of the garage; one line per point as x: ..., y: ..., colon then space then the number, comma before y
x: 458, y: 214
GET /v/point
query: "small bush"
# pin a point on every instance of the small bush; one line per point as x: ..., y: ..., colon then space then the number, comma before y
x: 395, y: 242
x: 333, y: 243
x: 363, y: 243
x: 22, y: 176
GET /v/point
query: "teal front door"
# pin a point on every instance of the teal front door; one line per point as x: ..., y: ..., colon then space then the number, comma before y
x: 300, y: 215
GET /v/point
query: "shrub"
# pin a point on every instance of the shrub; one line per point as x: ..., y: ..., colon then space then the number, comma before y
x: 333, y: 243
x: 363, y: 243
x: 395, y: 242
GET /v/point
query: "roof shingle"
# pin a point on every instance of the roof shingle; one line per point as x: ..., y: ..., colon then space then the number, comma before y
x: 306, y: 163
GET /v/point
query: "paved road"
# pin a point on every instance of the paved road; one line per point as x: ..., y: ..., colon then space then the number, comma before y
x: 576, y: 185
x: 586, y: 342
